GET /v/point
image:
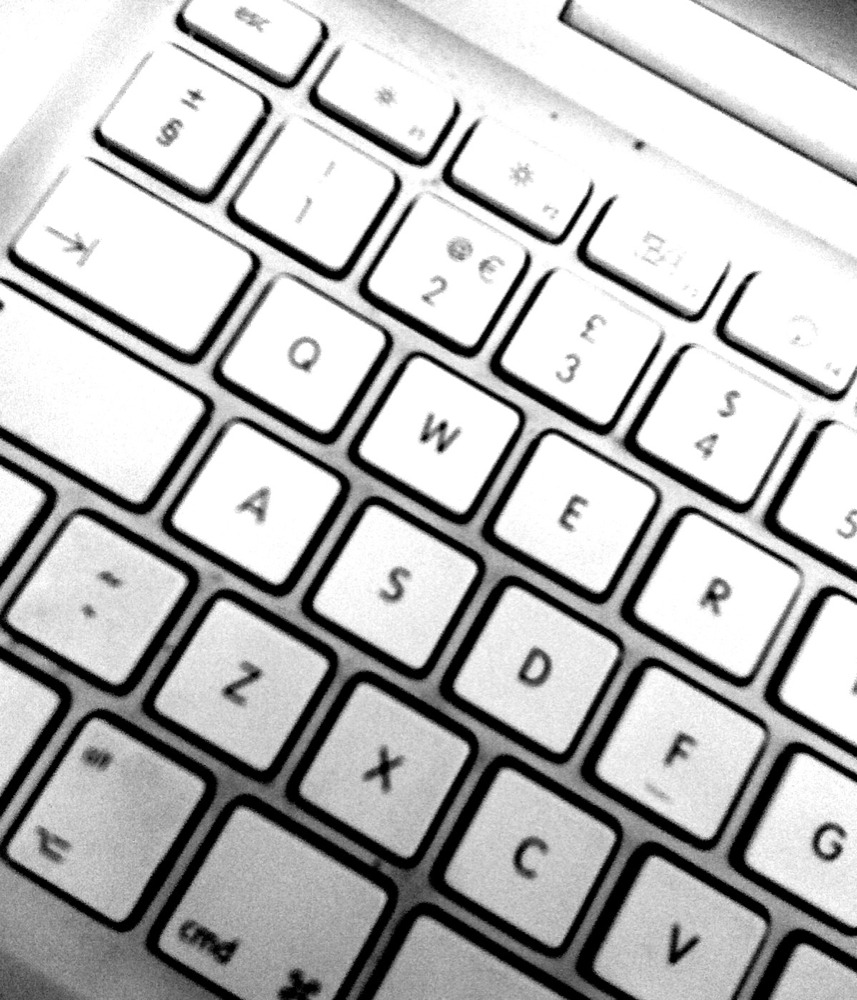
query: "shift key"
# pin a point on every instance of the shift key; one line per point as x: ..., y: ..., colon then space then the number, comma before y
x: 87, y: 405
x: 135, y: 257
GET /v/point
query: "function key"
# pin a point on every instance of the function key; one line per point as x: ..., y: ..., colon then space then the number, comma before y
x: 385, y: 770
x: 820, y: 507
x: 803, y: 842
x: 680, y: 753
x: 393, y: 104
x: 662, y: 254
x: 717, y: 595
x: 718, y: 425
x: 447, y: 271
x: 677, y: 936
x: 517, y: 177
x: 98, y: 600
x: 106, y: 821
x: 536, y: 669
x: 269, y: 915
x: 580, y: 347
x: 273, y: 37
x: 798, y: 324
x: 314, y: 194
x: 183, y: 119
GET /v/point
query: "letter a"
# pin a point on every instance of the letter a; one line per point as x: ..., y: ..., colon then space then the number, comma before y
x: 257, y: 504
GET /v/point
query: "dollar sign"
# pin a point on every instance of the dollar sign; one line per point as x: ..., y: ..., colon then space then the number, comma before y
x: 170, y: 132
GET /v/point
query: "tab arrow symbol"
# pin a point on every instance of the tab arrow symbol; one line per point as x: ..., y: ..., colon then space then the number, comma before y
x: 75, y: 244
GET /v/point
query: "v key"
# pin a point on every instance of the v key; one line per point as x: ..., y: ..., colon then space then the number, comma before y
x: 678, y: 948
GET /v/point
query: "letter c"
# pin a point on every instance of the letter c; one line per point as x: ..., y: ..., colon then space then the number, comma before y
x: 536, y: 843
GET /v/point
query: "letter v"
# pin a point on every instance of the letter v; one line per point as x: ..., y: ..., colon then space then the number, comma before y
x: 678, y: 949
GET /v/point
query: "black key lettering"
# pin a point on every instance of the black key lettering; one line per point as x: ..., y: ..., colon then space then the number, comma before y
x: 679, y: 948
x: 385, y: 766
x: 257, y: 504
x: 299, y: 987
x: 729, y: 409
x: 51, y: 845
x: 251, y: 675
x: 397, y: 589
x: 829, y: 841
x: 526, y: 845
x: 439, y: 431
x: 74, y: 244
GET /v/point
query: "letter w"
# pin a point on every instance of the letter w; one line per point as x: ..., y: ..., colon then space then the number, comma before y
x: 438, y: 430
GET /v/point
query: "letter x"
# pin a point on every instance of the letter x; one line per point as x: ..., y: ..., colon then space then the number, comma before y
x: 383, y: 769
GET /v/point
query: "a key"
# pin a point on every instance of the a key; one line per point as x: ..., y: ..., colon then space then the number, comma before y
x: 273, y: 37
x: 718, y: 425
x: 799, y: 324
x: 530, y: 857
x: 574, y: 513
x: 93, y: 408
x: 385, y: 770
x: 440, y: 435
x: 662, y: 251
x: 98, y: 600
x: 820, y: 506
x: 809, y: 972
x: 20, y: 504
x: 315, y: 195
x: 393, y: 104
x: 677, y: 936
x: 519, y: 178
x: 435, y: 963
x: 257, y: 503
x: 821, y: 681
x: 269, y: 915
x: 803, y: 842
x: 580, y: 347
x: 447, y: 271
x: 536, y: 669
x: 242, y: 684
x: 304, y: 355
x: 107, y: 821
x: 717, y: 595
x: 28, y: 709
x: 680, y: 752
x: 183, y: 119
x: 96, y: 235
x: 396, y: 587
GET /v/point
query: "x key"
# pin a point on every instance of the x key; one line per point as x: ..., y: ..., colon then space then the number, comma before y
x: 383, y: 769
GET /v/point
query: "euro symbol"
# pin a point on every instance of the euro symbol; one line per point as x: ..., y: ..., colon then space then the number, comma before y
x: 804, y: 331
x: 304, y: 353
x: 489, y: 267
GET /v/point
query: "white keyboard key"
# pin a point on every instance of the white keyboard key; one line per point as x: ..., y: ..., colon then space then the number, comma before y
x: 434, y: 963
x: 718, y: 425
x: 668, y: 255
x: 798, y: 324
x: 258, y: 503
x: 97, y: 600
x: 820, y: 508
x: 575, y: 513
x: 392, y: 103
x: 536, y: 669
x: 821, y: 683
x: 580, y: 347
x: 107, y: 820
x: 273, y: 37
x: 92, y: 408
x: 385, y: 770
x: 440, y: 435
x: 269, y: 915
x: 96, y: 234
x: 314, y: 372
x: 519, y: 178
x: 396, y: 587
x: 447, y: 271
x: 812, y: 973
x: 804, y: 842
x: 530, y: 857
x: 680, y: 753
x: 315, y: 195
x: 27, y: 708
x: 676, y: 936
x: 20, y: 503
x: 242, y: 684
x: 717, y: 595
x: 183, y: 119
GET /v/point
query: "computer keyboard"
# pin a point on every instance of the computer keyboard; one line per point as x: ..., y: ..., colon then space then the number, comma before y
x: 427, y: 567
